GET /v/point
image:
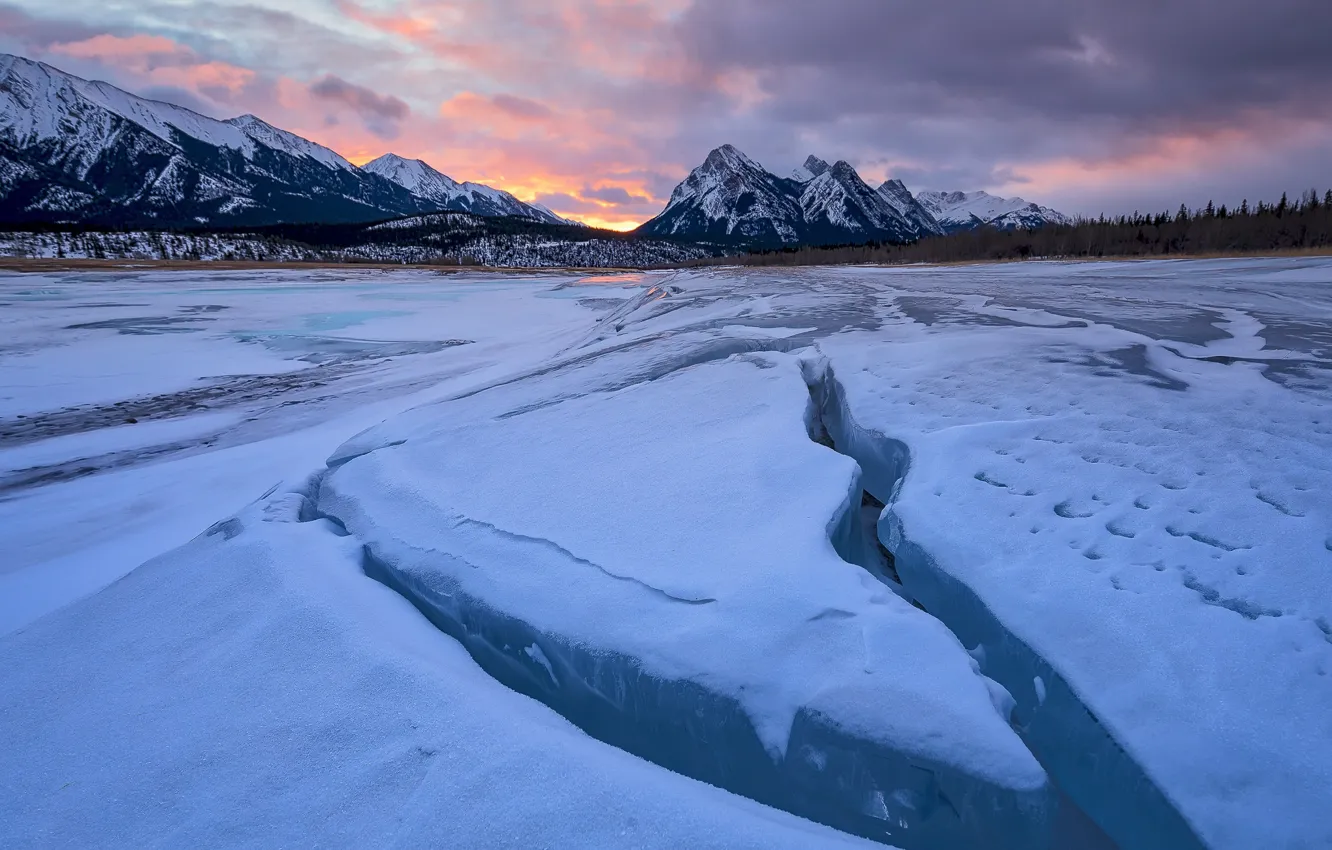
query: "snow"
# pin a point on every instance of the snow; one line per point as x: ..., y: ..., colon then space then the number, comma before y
x: 963, y: 209
x: 1134, y: 496
x: 732, y: 196
x: 39, y: 99
x: 819, y: 655
x: 634, y: 500
x: 279, y: 139
x: 422, y: 180
x: 255, y: 688
x: 124, y: 492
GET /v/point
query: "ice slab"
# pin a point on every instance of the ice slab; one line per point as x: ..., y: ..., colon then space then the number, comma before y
x: 1140, y: 549
x: 656, y: 562
x: 254, y: 688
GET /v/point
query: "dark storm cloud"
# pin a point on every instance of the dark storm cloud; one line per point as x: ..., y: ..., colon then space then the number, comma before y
x: 1145, y: 62
x: 955, y: 91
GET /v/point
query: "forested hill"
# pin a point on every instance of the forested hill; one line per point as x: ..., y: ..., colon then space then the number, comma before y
x: 1301, y: 225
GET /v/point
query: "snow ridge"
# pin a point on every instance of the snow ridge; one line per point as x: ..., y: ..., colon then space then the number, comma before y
x: 424, y: 181
x: 87, y: 150
x: 967, y: 210
x: 730, y: 197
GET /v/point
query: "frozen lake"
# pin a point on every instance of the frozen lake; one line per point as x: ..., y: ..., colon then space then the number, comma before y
x: 1032, y: 555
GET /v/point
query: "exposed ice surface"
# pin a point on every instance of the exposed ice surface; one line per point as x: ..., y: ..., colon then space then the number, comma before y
x: 254, y: 688
x: 137, y: 408
x: 669, y: 548
x: 1106, y: 481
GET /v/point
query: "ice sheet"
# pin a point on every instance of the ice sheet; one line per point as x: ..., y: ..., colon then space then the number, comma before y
x: 89, y: 494
x: 254, y: 688
x: 1114, y: 501
x: 665, y: 521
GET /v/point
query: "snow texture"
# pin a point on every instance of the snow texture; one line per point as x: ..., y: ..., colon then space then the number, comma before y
x: 425, y: 182
x: 967, y: 210
x: 1070, y: 593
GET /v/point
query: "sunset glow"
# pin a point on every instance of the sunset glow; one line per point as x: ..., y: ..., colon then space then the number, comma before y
x: 596, y: 108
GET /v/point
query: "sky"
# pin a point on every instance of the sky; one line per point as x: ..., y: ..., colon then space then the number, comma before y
x: 597, y: 108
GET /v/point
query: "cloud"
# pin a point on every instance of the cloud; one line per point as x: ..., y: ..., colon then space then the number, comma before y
x: 603, y: 106
x: 360, y: 98
x: 26, y: 33
x: 521, y: 107
x: 180, y: 97
x: 379, y: 113
x: 970, y: 87
x: 612, y: 195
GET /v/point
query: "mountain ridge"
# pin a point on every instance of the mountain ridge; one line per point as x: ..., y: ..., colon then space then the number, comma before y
x: 956, y: 211
x: 82, y: 150
x: 730, y: 198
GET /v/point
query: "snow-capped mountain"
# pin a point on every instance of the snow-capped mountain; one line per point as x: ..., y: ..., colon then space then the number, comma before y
x: 730, y: 197
x: 900, y: 198
x: 812, y: 168
x: 78, y: 150
x: 445, y: 193
x: 73, y: 149
x: 840, y: 207
x: 968, y: 210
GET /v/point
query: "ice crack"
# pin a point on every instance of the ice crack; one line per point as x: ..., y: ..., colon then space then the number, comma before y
x: 551, y: 545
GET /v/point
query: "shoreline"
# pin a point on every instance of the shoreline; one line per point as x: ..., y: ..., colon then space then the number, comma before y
x: 36, y: 265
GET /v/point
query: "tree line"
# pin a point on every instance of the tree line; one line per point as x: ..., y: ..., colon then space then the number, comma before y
x: 1304, y: 224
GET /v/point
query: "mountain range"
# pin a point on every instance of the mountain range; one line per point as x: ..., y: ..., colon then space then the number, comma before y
x: 77, y: 150
x: 74, y: 150
x: 730, y: 198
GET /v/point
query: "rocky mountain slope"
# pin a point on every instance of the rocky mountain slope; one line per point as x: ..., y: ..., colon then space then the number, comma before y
x: 731, y: 198
x: 84, y: 151
x: 967, y: 210
x: 425, y: 182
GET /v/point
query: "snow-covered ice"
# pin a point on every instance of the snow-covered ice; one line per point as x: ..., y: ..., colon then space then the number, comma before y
x: 634, y: 500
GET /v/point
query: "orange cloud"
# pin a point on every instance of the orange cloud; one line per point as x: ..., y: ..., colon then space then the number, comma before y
x: 161, y: 61
x: 532, y: 137
x: 139, y: 48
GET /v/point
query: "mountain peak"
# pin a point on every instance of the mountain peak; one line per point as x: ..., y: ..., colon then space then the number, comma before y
x: 732, y: 198
x: 967, y: 210
x: 843, y: 170
x: 729, y: 157
x: 170, y: 165
x: 813, y: 167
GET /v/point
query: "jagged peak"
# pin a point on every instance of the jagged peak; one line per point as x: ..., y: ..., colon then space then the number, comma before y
x: 815, y: 166
x: 845, y: 172
x: 730, y: 157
